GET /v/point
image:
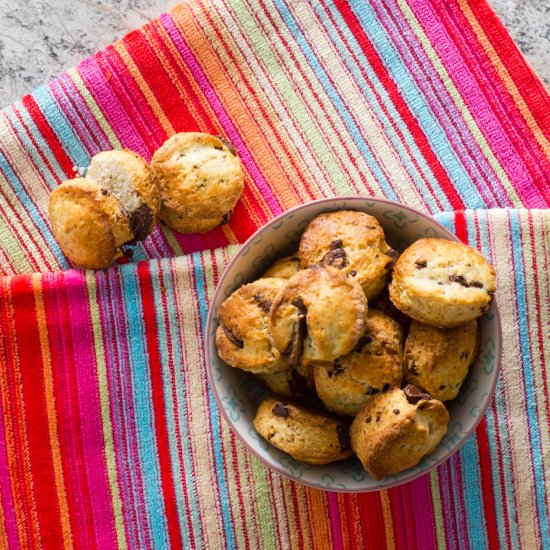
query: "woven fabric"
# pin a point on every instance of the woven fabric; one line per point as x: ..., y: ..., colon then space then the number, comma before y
x: 110, y: 436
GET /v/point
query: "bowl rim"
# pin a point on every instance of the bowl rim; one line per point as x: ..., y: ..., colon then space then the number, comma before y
x: 210, y: 319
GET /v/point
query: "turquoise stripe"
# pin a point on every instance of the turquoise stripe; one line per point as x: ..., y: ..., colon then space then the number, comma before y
x: 216, y: 433
x: 531, y: 403
x: 323, y: 78
x: 418, y: 105
x: 143, y: 407
x: 374, y: 104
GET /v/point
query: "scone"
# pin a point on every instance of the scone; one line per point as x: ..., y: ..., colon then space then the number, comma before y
x: 242, y: 337
x: 284, y: 268
x: 306, y: 435
x: 396, y: 429
x: 437, y: 359
x: 319, y: 315
x: 372, y: 367
x: 294, y: 382
x: 200, y: 180
x: 442, y: 283
x: 351, y: 241
x: 89, y: 225
x: 383, y: 303
x: 130, y: 180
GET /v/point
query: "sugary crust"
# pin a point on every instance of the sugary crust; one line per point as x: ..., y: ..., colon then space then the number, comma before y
x: 199, y: 178
x: 242, y: 337
x: 284, y: 268
x: 442, y: 283
x: 90, y: 227
x: 437, y: 360
x: 307, y: 436
x: 352, y: 241
x: 390, y: 434
x: 374, y: 366
x: 335, y: 309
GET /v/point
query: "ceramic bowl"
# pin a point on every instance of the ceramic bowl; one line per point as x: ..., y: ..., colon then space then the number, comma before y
x: 238, y: 397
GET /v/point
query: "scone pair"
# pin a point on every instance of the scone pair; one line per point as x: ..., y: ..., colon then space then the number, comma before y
x: 115, y: 204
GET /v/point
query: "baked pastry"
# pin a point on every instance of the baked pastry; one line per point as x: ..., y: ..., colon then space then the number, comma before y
x: 89, y: 224
x: 130, y: 180
x: 306, y: 435
x: 351, y: 241
x: 242, y: 337
x: 372, y: 367
x: 318, y: 315
x: 442, y: 283
x: 294, y: 382
x: 437, y: 359
x: 284, y: 268
x: 396, y: 429
x: 200, y: 180
x: 383, y: 303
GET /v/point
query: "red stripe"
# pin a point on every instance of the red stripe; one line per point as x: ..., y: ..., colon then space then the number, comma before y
x: 32, y: 387
x: 161, y: 430
x: 487, y: 484
x: 49, y: 135
x: 461, y: 227
x: 372, y: 521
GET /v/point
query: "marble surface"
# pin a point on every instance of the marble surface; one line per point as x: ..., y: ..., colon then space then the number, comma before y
x: 39, y: 39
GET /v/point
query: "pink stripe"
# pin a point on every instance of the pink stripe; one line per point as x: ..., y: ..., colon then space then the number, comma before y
x: 422, y: 504
x: 492, y: 118
x: 335, y: 525
x: 224, y: 119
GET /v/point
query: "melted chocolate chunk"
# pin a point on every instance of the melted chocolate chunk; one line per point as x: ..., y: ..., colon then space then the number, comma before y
x: 396, y: 411
x: 365, y: 340
x: 338, y: 369
x: 104, y: 192
x: 393, y: 254
x: 353, y: 273
x: 420, y: 264
x: 229, y: 145
x: 378, y: 417
x: 336, y: 256
x: 442, y: 387
x: 386, y: 387
x: 368, y: 420
x: 458, y: 279
x: 476, y: 284
x: 297, y: 383
x: 343, y: 437
x: 232, y: 337
x: 295, y: 347
x: 140, y: 221
x: 263, y: 303
x: 372, y: 391
x: 414, y: 394
x: 280, y: 410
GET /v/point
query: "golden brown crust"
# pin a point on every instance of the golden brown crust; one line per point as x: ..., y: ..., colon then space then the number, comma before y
x: 390, y: 434
x: 442, y: 283
x: 351, y: 241
x: 306, y: 435
x: 320, y: 312
x: 90, y: 227
x: 294, y: 382
x: 284, y: 268
x: 199, y: 177
x: 374, y: 366
x: 437, y: 360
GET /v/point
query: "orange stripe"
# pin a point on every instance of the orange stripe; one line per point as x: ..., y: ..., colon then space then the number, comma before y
x: 51, y: 412
x: 388, y: 520
x: 319, y: 523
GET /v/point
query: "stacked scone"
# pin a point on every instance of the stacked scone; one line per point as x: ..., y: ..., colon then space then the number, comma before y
x: 192, y: 185
x: 359, y: 345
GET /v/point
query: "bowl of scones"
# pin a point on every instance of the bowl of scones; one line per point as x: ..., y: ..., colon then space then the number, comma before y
x: 353, y: 344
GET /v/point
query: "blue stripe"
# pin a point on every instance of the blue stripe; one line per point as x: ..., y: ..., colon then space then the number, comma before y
x: 214, y: 413
x: 531, y: 401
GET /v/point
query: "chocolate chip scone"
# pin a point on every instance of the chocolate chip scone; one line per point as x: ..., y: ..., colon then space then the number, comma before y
x: 284, y: 268
x: 396, y: 429
x: 442, y: 283
x: 437, y: 359
x: 89, y: 225
x: 294, y: 382
x: 319, y: 315
x: 372, y: 367
x: 353, y: 242
x: 200, y: 180
x: 243, y: 338
x: 306, y: 435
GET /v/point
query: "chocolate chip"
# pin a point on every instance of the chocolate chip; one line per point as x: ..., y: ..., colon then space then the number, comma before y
x: 420, y: 264
x: 476, y: 284
x: 393, y: 254
x: 378, y: 416
x: 104, y: 192
x: 386, y: 387
x: 491, y: 293
x: 464, y: 355
x: 295, y: 347
x: 396, y: 411
x: 372, y: 391
x: 263, y: 303
x: 442, y: 387
x: 414, y: 394
x: 229, y: 145
x: 336, y: 256
x: 297, y: 383
x: 140, y: 221
x: 226, y: 217
x: 353, y: 273
x: 365, y: 340
x: 458, y: 279
x: 280, y: 410
x: 412, y: 368
x: 368, y: 420
x: 232, y: 337
x: 337, y: 369
x: 343, y: 437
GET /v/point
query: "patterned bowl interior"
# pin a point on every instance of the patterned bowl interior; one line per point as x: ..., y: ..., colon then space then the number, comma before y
x: 238, y: 396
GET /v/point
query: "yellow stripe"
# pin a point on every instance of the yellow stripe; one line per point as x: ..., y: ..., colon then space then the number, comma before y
x: 105, y: 411
x: 388, y: 520
x: 51, y: 413
x: 438, y: 512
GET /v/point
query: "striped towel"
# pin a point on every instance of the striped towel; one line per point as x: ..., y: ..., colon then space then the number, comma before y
x: 109, y: 434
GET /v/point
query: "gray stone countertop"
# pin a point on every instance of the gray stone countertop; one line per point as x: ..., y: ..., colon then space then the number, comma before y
x: 39, y: 39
